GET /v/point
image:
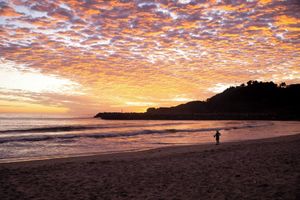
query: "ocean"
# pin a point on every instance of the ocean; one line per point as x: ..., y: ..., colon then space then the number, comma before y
x: 43, y: 138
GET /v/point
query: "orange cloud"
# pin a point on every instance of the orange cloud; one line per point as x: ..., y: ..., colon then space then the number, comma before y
x: 9, y: 12
x: 287, y: 20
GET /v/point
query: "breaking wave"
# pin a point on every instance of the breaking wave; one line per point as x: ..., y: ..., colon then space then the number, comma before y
x: 68, y: 136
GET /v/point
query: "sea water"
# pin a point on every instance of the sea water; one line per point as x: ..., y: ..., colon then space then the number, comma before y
x: 43, y: 138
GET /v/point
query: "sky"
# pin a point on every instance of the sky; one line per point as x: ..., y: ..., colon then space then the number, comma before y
x: 80, y: 57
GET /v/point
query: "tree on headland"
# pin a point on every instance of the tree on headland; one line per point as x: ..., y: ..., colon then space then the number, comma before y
x: 282, y: 85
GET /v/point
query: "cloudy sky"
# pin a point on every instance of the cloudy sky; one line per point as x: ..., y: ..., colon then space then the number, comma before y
x: 83, y: 56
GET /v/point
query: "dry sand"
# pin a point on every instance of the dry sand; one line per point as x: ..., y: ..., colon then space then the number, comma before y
x: 260, y: 169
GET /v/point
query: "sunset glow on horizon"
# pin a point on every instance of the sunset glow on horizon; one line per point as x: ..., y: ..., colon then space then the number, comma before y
x: 80, y: 57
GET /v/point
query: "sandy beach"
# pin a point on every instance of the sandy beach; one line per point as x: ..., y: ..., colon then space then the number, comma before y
x: 257, y: 169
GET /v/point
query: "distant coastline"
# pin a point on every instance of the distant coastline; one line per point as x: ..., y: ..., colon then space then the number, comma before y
x: 252, y: 101
x: 196, y: 116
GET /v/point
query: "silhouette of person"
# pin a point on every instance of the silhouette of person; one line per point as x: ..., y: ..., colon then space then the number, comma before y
x: 217, y: 136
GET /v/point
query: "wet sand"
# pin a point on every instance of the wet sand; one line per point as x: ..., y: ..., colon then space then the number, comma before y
x: 258, y: 169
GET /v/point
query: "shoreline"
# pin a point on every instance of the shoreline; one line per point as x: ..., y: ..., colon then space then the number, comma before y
x: 254, y: 169
x: 152, y: 152
x: 97, y: 149
x: 197, y: 116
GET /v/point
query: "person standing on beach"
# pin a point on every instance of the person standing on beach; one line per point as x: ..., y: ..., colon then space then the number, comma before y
x: 217, y: 136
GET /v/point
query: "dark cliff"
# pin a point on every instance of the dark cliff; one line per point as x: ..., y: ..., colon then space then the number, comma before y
x: 255, y: 100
